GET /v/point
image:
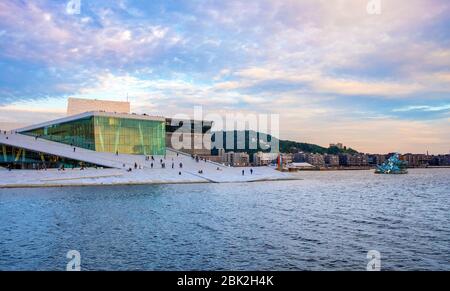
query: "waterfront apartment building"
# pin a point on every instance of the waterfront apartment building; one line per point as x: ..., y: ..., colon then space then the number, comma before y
x: 416, y: 160
x: 264, y: 159
x: 316, y: 160
x: 287, y: 158
x: 236, y: 159
x: 440, y: 160
x: 355, y: 160
x: 376, y: 159
x: 331, y: 160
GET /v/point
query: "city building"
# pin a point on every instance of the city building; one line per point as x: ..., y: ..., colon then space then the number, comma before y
x: 287, y: 158
x: 338, y: 145
x: 440, y: 160
x: 236, y: 159
x: 316, y: 160
x: 264, y: 159
x: 356, y: 160
x: 416, y: 160
x: 299, y: 157
x: 331, y: 160
x: 376, y: 159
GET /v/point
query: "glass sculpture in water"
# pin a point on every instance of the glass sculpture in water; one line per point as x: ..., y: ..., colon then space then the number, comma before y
x: 392, y: 166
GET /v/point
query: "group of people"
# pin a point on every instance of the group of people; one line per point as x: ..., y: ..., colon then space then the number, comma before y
x: 180, y: 165
x: 243, y: 172
x: 5, y: 132
x: 198, y: 159
x: 152, y: 164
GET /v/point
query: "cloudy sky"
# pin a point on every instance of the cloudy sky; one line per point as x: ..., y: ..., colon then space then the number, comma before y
x: 333, y: 71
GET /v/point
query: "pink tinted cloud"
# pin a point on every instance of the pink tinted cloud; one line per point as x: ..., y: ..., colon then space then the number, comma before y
x: 50, y: 35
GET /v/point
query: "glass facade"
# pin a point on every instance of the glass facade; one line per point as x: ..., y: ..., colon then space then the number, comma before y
x: 79, y: 133
x: 109, y: 134
x: 129, y: 136
x: 19, y: 158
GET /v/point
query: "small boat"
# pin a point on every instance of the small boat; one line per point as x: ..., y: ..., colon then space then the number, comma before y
x: 393, y: 166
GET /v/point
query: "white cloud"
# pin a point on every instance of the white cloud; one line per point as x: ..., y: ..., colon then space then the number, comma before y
x: 57, y: 39
x: 425, y: 108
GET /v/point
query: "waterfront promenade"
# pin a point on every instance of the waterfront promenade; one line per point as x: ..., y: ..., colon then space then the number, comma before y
x: 116, y: 171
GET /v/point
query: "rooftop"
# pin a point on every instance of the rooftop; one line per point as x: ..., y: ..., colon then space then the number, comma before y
x: 90, y: 114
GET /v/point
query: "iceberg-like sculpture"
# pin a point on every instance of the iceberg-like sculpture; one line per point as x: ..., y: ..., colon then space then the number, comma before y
x: 392, y: 166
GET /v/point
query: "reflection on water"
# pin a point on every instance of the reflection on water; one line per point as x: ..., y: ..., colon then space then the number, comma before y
x: 328, y: 221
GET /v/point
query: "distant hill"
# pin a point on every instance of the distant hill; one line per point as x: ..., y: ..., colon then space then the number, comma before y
x: 251, y: 142
x: 287, y: 146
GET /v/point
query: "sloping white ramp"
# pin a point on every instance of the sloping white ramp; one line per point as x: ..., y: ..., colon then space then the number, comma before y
x: 190, y: 172
x: 45, y: 146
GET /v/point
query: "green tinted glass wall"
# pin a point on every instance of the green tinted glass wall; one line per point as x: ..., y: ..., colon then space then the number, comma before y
x: 129, y: 136
x: 109, y: 134
x: 20, y: 158
x: 79, y: 133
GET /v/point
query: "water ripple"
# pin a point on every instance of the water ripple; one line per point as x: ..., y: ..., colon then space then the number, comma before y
x: 327, y: 221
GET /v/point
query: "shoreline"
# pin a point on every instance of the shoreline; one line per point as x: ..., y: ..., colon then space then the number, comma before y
x: 363, y: 169
x: 115, y: 177
x: 118, y: 178
x: 31, y: 186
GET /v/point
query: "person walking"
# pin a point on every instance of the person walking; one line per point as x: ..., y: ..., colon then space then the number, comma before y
x: 151, y: 165
x: 74, y: 149
x: 243, y: 172
x: 251, y: 171
x: 173, y: 165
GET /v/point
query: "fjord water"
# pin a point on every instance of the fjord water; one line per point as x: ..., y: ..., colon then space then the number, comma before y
x: 327, y: 221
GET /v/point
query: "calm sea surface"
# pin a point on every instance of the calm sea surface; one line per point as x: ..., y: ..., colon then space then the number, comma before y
x: 328, y: 221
